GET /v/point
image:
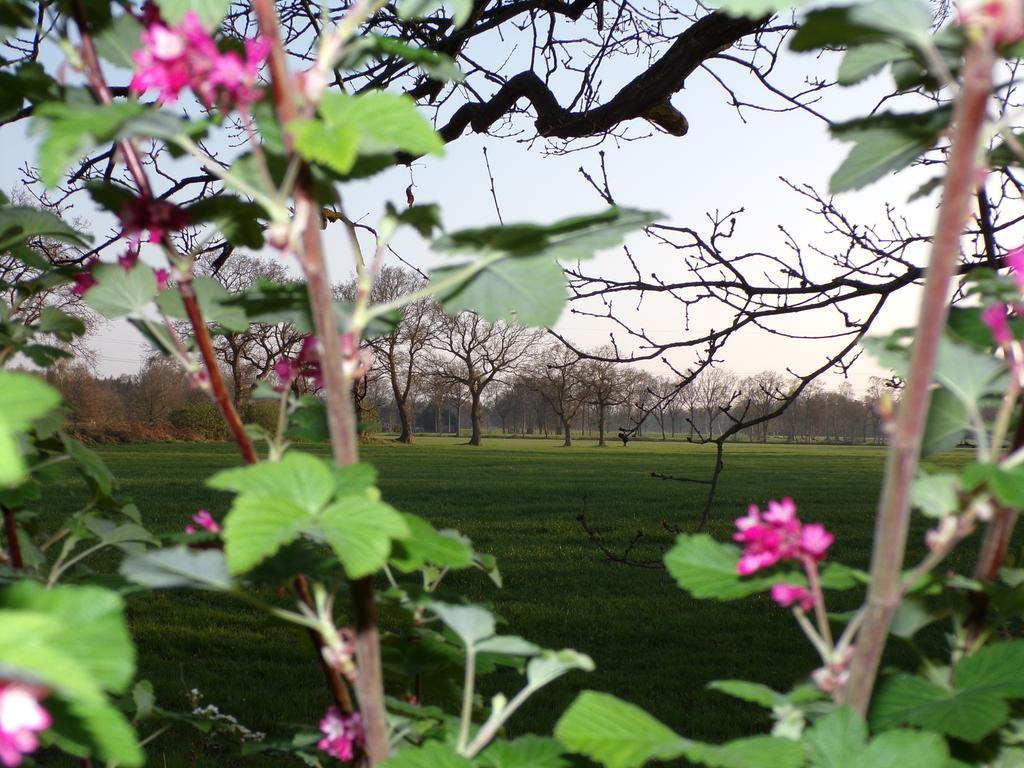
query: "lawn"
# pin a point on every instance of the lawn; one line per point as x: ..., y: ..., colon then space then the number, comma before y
x: 518, y: 499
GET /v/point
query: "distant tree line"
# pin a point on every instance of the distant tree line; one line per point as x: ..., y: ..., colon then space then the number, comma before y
x: 436, y: 374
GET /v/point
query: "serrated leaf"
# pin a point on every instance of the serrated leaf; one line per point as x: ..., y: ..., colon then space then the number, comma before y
x: 948, y: 419
x: 935, y: 495
x: 374, y: 123
x: 238, y: 220
x: 119, y: 292
x: 360, y: 530
x: 525, y: 291
x: 755, y: 9
x: 258, y: 526
x: 707, y: 569
x: 20, y: 223
x: 25, y: 399
x: 525, y: 752
x: 433, y: 754
x: 178, y: 567
x: 426, y: 545
x: 471, y: 623
x: 551, y: 665
x: 118, y: 40
x: 214, y: 301
x: 301, y: 478
x: 862, y: 61
x: 616, y: 734
x: 755, y: 693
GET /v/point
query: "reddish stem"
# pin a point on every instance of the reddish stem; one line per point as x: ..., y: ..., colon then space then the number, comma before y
x: 892, y: 523
x: 13, y: 545
x: 340, y: 415
x: 94, y: 73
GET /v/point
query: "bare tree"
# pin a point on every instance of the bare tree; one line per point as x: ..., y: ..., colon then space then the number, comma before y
x: 474, y: 352
x: 400, y: 351
x: 604, y: 389
x: 250, y: 355
x: 556, y: 376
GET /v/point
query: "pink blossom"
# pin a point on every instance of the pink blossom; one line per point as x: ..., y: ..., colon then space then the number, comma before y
x: 129, y: 258
x: 186, y: 56
x: 790, y: 594
x: 994, y: 317
x: 1004, y: 19
x: 157, y: 217
x: 84, y: 280
x: 776, y: 535
x: 833, y: 677
x: 343, y: 734
x: 204, y: 520
x: 1015, y: 261
x: 21, y: 718
x: 815, y: 541
x: 162, y: 276
x: 305, y: 363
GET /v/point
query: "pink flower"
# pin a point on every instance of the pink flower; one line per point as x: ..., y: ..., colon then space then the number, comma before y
x: 157, y: 217
x: 84, y: 280
x: 789, y: 594
x: 129, y: 258
x: 162, y: 276
x: 815, y: 541
x: 306, y: 363
x: 994, y: 317
x: 21, y: 718
x: 204, y: 520
x: 1004, y: 19
x: 186, y: 56
x: 776, y: 535
x: 1015, y: 260
x: 343, y: 734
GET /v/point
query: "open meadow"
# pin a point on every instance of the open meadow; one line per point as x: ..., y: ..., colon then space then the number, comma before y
x: 518, y: 499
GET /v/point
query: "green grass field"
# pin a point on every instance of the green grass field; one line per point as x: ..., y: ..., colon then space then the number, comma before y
x: 518, y: 499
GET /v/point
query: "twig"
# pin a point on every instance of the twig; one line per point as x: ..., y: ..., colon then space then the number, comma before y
x: 624, y: 558
x: 894, y: 507
x: 11, y: 532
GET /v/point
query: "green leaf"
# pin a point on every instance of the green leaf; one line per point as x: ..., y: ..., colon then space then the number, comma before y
x: 118, y: 40
x: 62, y: 325
x: 1007, y: 485
x: 119, y: 292
x: 935, y: 495
x: 25, y: 399
x: 433, y: 754
x: 864, y: 23
x: 907, y: 19
x: 707, y: 569
x: 20, y: 223
x: 470, y: 622
x: 974, y: 707
x: 551, y: 665
x: 616, y: 734
x: 948, y: 419
x: 72, y: 130
x: 968, y: 374
x: 237, y: 219
x: 839, y: 740
x: 178, y: 567
x: 214, y: 301
x: 508, y: 645
x: 436, y: 65
x: 360, y: 530
x: 525, y: 752
x: 526, y: 291
x: 755, y: 9
x: 418, y: 9
x: 754, y: 752
x: 862, y: 61
x: 258, y: 526
x: 367, y: 124
x: 755, y: 693
x: 573, y: 239
x: 301, y: 478
x: 426, y: 545
x: 93, y: 469
x: 210, y: 12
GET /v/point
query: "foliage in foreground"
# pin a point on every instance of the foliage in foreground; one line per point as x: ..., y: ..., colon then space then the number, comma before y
x: 303, y: 531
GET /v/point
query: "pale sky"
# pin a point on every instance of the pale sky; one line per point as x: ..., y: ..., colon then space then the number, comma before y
x: 723, y: 163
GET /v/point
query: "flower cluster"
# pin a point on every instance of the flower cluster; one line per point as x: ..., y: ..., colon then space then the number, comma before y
x: 1003, y: 19
x: 158, y: 218
x: 777, y: 534
x: 204, y: 520
x: 21, y: 719
x: 343, y: 734
x: 85, y: 279
x: 185, y: 56
x: 306, y: 363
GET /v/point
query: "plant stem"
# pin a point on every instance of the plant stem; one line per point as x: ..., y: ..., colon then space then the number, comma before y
x: 893, y: 519
x: 469, y: 679
x: 337, y: 383
x: 11, y: 532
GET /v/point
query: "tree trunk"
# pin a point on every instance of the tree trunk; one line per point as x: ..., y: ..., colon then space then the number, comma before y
x: 405, y: 417
x: 476, y: 415
x: 568, y: 433
x: 600, y: 427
